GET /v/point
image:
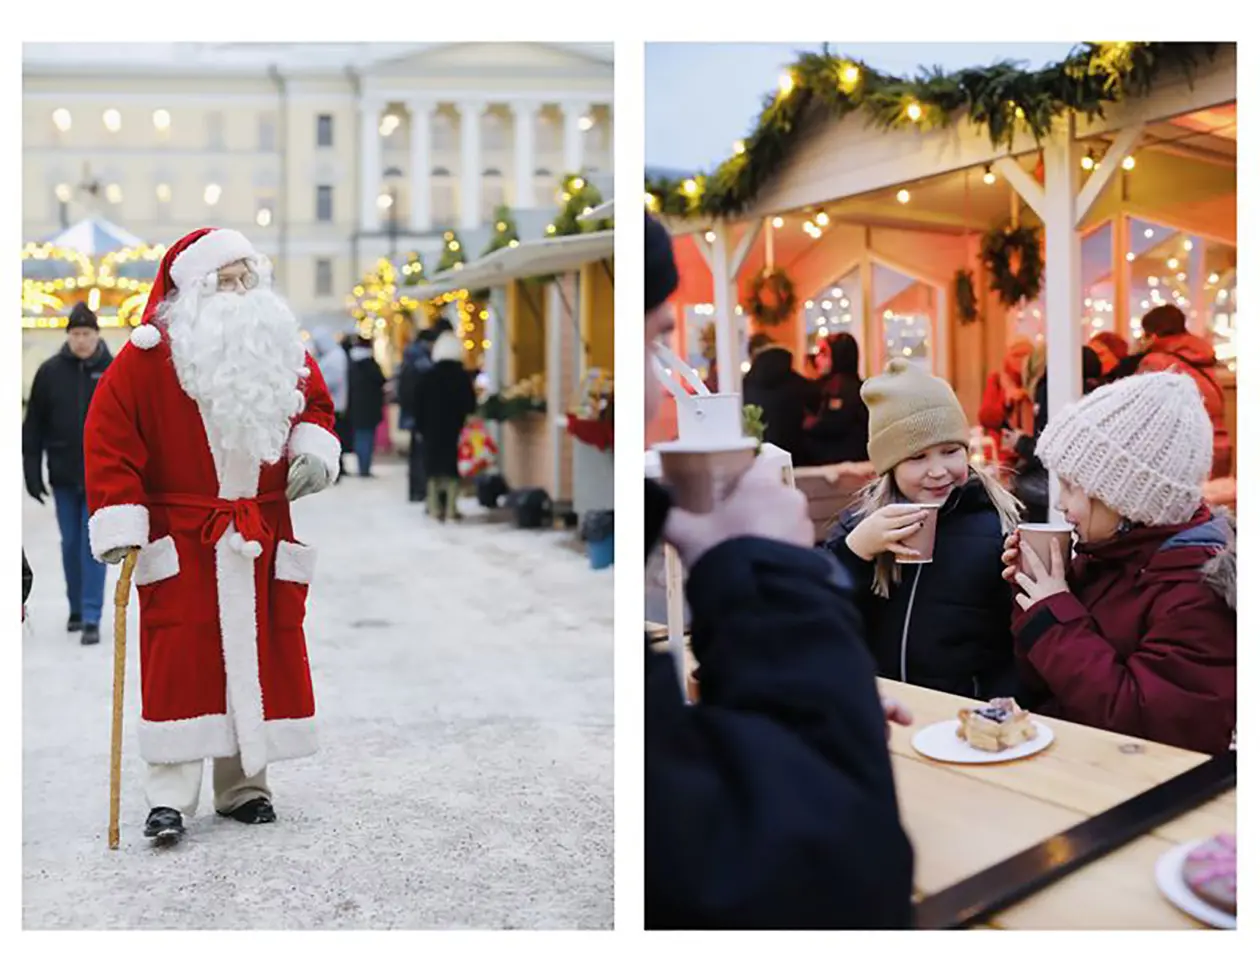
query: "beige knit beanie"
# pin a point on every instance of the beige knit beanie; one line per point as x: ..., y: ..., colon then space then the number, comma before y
x: 910, y: 410
x: 1142, y: 445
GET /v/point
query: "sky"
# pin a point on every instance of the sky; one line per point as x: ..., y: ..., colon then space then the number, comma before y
x: 700, y: 98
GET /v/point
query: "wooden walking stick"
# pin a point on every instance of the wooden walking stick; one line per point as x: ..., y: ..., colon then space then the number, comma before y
x: 122, y: 595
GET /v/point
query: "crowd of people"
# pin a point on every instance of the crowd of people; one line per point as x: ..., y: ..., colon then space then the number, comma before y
x: 770, y: 802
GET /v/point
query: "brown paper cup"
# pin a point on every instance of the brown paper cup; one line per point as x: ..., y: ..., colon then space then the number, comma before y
x: 923, y: 540
x: 1042, y: 537
x: 699, y: 477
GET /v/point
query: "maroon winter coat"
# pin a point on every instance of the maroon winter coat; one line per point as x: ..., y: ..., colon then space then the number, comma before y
x: 1144, y: 643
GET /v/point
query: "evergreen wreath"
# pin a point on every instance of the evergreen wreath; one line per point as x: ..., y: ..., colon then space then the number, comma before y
x: 781, y: 298
x: 1022, y: 246
x: 965, y: 296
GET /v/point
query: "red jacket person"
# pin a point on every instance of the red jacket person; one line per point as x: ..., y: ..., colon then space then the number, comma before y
x: 208, y: 424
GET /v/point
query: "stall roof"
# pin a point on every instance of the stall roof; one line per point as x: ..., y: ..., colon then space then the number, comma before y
x: 602, y: 211
x: 534, y: 259
x: 95, y: 237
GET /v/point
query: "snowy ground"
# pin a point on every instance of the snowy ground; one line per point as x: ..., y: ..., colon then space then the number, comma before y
x: 463, y: 681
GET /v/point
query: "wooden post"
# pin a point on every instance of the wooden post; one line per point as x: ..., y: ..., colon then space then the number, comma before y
x: 728, y: 355
x: 1122, y: 274
x: 1063, y: 278
x: 872, y: 329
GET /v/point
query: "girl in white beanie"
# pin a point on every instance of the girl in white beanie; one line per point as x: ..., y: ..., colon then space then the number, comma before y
x: 1137, y: 634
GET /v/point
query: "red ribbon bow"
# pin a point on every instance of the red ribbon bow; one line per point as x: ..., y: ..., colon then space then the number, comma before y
x: 244, y: 514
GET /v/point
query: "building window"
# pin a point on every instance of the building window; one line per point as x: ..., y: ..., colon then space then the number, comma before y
x: 324, y: 204
x: 323, y: 277
x: 214, y: 129
x: 267, y: 132
x: 323, y: 131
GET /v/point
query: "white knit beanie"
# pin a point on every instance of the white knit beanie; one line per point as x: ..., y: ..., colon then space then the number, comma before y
x: 1142, y: 445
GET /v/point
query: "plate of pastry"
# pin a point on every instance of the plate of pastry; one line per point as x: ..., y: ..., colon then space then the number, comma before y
x: 997, y: 732
x: 1201, y: 878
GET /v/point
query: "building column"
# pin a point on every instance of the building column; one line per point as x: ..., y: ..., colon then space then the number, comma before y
x: 524, y: 114
x: 369, y: 165
x: 574, y: 137
x: 470, y: 163
x: 421, y: 165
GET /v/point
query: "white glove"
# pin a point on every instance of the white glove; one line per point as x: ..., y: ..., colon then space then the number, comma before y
x: 307, y: 475
x: 117, y: 555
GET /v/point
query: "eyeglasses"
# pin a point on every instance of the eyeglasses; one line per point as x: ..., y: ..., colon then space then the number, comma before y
x: 245, y: 281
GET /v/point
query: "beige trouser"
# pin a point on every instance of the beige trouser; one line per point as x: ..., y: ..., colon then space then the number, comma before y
x: 178, y: 785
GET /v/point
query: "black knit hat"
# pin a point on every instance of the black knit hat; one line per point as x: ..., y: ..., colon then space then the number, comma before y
x: 82, y: 316
x: 660, y: 273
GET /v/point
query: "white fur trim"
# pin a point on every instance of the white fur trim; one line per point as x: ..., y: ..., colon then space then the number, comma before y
x: 290, y: 738
x: 158, y: 561
x: 238, y: 630
x: 311, y: 440
x: 212, y: 252
x: 448, y: 347
x: 111, y: 527
x: 146, y: 336
x: 304, y: 372
x: 295, y: 562
x: 185, y: 740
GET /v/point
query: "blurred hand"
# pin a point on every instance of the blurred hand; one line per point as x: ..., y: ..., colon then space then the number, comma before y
x: 759, y: 506
x: 884, y: 530
x: 1010, y: 557
x: 117, y: 555
x: 35, y: 487
x: 894, y: 711
x: 307, y: 475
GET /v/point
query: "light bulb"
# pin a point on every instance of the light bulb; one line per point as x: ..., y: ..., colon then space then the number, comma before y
x: 161, y: 119
x: 1087, y: 162
x: 1188, y: 245
x: 689, y: 186
x: 989, y: 177
x: 850, y: 74
x: 113, y: 192
x: 809, y: 305
x: 777, y: 222
x: 1213, y: 277
x: 914, y: 112
x: 786, y: 83
x: 264, y: 217
x: 739, y: 147
x: 822, y: 219
x: 1149, y: 233
x: 710, y: 236
x: 1130, y: 256
x: 1172, y: 263
x: 63, y: 192
x: 586, y: 123
x: 163, y: 192
x: 1128, y: 163
x: 61, y: 118
x: 113, y: 119
x: 903, y: 196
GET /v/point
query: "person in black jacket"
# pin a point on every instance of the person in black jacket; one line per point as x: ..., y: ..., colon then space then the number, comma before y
x: 783, y: 395
x: 444, y: 399
x: 417, y: 360
x: 28, y: 581
x: 60, y: 395
x: 944, y: 625
x: 838, y: 432
x: 367, y: 401
x: 770, y: 803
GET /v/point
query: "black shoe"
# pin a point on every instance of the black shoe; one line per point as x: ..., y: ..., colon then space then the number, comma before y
x: 75, y: 623
x: 256, y: 811
x: 91, y: 634
x: 164, y: 825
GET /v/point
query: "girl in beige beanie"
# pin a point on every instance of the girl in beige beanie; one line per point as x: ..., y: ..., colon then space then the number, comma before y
x: 1137, y: 633
x: 944, y: 624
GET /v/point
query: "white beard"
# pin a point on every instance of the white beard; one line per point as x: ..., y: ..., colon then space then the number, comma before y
x: 239, y: 357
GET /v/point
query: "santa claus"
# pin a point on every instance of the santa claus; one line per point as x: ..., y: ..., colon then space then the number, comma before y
x: 202, y: 432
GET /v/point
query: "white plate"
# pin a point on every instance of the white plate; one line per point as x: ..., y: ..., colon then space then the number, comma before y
x: 940, y: 741
x: 1168, y: 877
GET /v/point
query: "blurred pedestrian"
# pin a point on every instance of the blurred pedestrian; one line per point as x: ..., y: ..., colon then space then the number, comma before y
x: 55, y: 416
x: 1111, y: 349
x: 417, y: 360
x: 837, y: 432
x: 1007, y: 405
x: 444, y: 399
x: 784, y: 395
x: 334, y: 365
x: 366, y: 401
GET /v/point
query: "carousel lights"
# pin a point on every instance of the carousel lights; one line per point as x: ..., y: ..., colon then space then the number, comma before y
x: 1130, y: 256
x: 650, y: 202
x: 1152, y: 281
x: 586, y: 123
x: 577, y: 184
x: 453, y: 246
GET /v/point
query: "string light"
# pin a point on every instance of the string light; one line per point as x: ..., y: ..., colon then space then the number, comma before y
x: 1088, y: 162
x: 786, y: 83
x: 850, y: 74
x: 161, y: 119
x: 710, y: 236
x: 61, y: 118
x: 1188, y: 245
x: 63, y: 192
x: 903, y: 196
x: 739, y: 147
x: 689, y: 187
x: 113, y: 119
x: 1173, y: 264
x: 1128, y: 163
x: 822, y: 219
x: 914, y: 112
x: 989, y: 177
x: 777, y: 222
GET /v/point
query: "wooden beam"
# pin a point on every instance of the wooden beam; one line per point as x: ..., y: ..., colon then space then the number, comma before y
x: 1063, y: 279
x: 705, y: 248
x: 1105, y: 170
x: 725, y: 330
x: 740, y: 253
x: 1024, y: 184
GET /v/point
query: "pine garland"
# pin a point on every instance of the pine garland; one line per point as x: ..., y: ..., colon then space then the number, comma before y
x: 965, y: 296
x: 782, y: 297
x: 413, y: 270
x: 577, y: 196
x: 505, y: 232
x: 1021, y: 245
x: 1003, y: 98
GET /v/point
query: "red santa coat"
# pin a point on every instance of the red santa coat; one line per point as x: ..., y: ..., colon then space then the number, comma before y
x: 223, y: 662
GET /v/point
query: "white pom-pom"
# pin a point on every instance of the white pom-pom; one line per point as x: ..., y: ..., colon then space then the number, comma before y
x: 146, y: 336
x: 251, y: 549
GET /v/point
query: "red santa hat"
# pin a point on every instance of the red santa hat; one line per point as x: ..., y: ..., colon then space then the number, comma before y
x: 200, y: 253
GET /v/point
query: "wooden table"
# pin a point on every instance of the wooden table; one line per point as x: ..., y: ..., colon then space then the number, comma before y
x: 964, y: 818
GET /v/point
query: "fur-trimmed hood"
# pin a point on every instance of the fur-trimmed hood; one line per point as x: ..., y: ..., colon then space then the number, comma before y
x: 1217, y: 540
x: 448, y: 347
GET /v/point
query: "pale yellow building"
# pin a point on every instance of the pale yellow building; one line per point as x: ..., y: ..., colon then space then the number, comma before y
x: 328, y: 156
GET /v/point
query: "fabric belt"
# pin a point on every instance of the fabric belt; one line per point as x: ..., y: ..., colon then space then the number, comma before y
x: 243, y: 514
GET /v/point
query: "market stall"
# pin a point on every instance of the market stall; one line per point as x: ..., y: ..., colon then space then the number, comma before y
x: 925, y: 235
x: 549, y: 356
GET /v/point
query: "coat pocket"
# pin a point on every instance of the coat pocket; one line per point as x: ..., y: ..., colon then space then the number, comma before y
x: 295, y: 568
x: 157, y: 564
